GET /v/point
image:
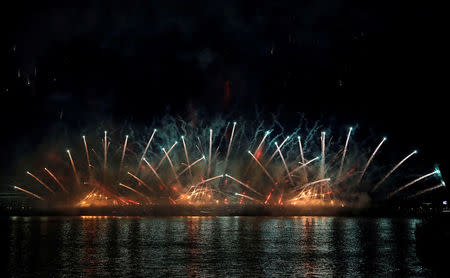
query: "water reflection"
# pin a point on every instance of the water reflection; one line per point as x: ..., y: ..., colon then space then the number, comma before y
x: 193, y: 252
x: 248, y: 248
x: 307, y: 242
x: 339, y: 246
x: 111, y: 244
x: 368, y: 240
x: 209, y: 246
x: 89, y: 258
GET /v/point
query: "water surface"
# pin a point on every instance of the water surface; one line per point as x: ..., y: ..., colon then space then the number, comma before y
x: 209, y: 246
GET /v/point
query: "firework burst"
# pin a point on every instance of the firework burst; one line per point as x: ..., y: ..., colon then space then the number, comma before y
x: 221, y: 162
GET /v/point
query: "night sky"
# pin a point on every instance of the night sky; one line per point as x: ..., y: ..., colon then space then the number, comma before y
x: 380, y: 65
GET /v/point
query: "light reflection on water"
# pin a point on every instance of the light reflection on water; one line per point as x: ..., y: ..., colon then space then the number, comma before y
x: 209, y: 246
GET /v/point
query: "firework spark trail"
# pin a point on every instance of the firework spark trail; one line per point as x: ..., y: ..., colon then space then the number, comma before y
x: 215, y: 157
x: 123, y: 154
x: 187, y: 156
x: 229, y: 147
x: 239, y: 140
x: 41, y: 182
x: 98, y: 186
x: 171, y: 165
x: 189, y: 166
x: 268, y: 198
x: 210, y: 150
x: 262, y: 141
x: 370, y: 160
x: 191, y: 191
x: 345, y: 151
x: 302, y: 156
x: 258, y: 130
x: 242, y: 198
x: 207, y: 180
x: 172, y: 201
x: 220, y: 142
x: 257, y: 151
x: 301, y: 149
x: 165, y: 155
x: 304, y: 165
x: 275, y: 152
x: 155, y: 173
x: 247, y: 197
x: 146, y: 149
x: 322, y: 164
x: 333, y: 164
x: 192, y: 195
x: 141, y: 181
x: 244, y: 184
x: 199, y: 150
x: 87, y: 153
x: 284, y: 164
x: 105, y: 153
x: 96, y: 156
x: 56, y: 180
x: 280, y: 200
x: 89, y: 194
x: 308, y: 184
x: 29, y: 193
x: 135, y: 191
x: 442, y: 184
x: 413, y: 182
x: 196, y: 192
x: 73, y: 168
x: 199, y: 147
x: 334, y: 159
x: 393, y: 169
x: 210, y: 179
x: 262, y: 167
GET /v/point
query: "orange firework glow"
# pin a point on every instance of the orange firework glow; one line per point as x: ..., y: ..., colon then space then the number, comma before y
x: 219, y: 162
x: 29, y: 193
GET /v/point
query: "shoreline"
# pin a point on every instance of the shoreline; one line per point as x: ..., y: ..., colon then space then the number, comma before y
x: 230, y: 210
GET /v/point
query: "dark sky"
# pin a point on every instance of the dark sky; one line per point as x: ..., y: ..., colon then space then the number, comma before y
x: 380, y: 64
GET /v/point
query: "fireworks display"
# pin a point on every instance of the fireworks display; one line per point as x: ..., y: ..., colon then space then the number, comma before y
x: 221, y: 162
